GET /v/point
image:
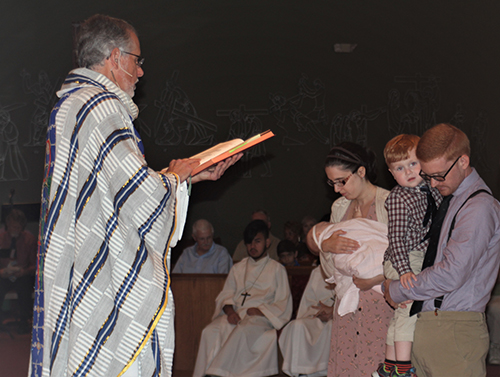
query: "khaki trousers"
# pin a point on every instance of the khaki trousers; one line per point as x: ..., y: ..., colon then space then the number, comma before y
x: 450, y: 344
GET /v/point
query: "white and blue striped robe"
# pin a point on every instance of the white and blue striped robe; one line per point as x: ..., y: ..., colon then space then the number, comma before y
x: 104, y: 298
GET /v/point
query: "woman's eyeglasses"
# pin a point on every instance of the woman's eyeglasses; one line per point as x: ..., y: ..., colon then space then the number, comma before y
x: 339, y: 182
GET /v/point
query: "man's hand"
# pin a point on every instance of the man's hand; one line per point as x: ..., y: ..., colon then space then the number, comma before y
x: 183, y: 168
x: 388, y: 298
x: 387, y: 294
x: 325, y: 313
x: 255, y: 311
x: 213, y: 173
x: 232, y: 317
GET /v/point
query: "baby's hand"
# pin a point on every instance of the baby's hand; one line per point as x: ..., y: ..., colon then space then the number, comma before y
x: 406, y: 280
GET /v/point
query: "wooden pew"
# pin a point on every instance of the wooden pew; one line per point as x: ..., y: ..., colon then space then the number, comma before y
x: 194, y: 298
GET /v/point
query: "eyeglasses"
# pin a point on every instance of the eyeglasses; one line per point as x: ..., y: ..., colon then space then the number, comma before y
x: 437, y: 177
x: 140, y: 59
x: 339, y: 182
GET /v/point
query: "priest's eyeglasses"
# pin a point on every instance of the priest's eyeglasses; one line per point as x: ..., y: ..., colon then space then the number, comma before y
x: 437, y: 177
x: 338, y: 182
x: 140, y: 60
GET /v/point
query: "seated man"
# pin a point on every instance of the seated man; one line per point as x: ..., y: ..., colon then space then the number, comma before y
x: 305, y: 342
x: 17, y: 264
x: 241, y: 251
x: 205, y: 256
x: 254, y: 303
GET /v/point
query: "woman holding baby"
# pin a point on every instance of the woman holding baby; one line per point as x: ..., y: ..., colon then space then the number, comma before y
x: 358, y: 337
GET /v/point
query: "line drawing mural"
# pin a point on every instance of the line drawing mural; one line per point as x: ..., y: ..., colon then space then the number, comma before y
x: 420, y: 104
x: 139, y: 124
x: 302, y: 116
x: 177, y: 116
x: 244, y: 124
x: 458, y: 118
x: 12, y: 164
x: 354, y: 126
x: 479, y: 135
x: 45, y: 99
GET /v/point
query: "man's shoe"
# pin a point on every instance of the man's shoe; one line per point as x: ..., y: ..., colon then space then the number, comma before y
x: 381, y: 372
x: 410, y: 373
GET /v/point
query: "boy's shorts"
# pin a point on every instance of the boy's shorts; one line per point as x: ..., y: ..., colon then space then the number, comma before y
x: 402, y: 326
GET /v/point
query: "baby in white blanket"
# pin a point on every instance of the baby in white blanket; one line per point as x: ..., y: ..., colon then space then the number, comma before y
x: 366, y: 262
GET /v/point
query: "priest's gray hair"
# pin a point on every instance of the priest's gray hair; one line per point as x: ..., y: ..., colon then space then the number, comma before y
x: 97, y: 38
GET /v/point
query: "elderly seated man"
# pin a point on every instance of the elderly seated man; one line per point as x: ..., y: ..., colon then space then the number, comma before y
x: 205, y: 256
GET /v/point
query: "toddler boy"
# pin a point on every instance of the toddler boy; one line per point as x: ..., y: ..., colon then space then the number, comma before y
x: 410, y: 206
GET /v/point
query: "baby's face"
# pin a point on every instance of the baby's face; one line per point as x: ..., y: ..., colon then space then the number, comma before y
x: 311, y: 243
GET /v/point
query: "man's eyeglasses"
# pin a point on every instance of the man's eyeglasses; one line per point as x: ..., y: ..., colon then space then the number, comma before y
x: 140, y: 59
x: 339, y: 182
x: 437, y: 177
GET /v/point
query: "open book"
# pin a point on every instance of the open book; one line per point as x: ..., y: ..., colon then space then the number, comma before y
x: 224, y: 150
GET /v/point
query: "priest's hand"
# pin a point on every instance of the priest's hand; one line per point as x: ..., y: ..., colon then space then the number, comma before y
x: 255, y: 311
x: 183, y: 168
x: 325, y: 313
x: 337, y: 244
x: 232, y: 317
x: 213, y: 173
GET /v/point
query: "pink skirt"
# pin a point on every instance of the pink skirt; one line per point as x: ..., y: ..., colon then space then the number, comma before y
x: 358, y: 339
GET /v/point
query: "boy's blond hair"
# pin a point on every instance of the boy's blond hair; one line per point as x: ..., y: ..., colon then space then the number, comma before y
x: 399, y: 147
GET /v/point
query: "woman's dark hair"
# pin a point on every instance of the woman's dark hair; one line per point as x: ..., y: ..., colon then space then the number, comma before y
x: 351, y: 156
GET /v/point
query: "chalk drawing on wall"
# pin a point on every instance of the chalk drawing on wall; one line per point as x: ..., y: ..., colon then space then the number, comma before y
x: 458, y: 118
x: 302, y: 116
x: 45, y: 99
x: 177, y: 120
x: 12, y: 164
x: 139, y: 124
x: 414, y: 111
x: 479, y: 136
x: 245, y: 123
x: 353, y: 126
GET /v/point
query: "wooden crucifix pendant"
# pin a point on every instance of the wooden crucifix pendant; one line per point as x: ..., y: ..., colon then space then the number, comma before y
x: 245, y: 295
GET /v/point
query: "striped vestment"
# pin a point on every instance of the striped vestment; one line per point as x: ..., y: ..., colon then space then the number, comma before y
x: 102, y: 297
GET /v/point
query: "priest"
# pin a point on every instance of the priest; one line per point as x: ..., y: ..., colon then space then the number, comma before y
x: 254, y: 303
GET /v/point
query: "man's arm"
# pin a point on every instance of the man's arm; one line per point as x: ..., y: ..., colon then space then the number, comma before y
x: 279, y: 310
x: 475, y: 227
x: 224, y: 261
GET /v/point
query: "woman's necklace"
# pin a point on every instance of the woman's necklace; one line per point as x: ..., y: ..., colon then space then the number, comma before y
x: 246, y: 294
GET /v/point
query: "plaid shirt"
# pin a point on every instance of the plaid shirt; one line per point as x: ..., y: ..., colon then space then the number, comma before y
x: 406, y: 207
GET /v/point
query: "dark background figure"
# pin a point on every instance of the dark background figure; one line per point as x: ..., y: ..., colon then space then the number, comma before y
x: 17, y: 265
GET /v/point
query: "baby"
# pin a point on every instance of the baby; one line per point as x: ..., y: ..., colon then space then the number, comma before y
x: 365, y: 262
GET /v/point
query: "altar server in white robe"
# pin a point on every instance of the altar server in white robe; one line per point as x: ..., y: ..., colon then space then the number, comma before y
x: 254, y: 303
x: 305, y: 341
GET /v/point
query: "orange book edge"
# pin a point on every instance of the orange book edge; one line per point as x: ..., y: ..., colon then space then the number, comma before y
x: 254, y: 140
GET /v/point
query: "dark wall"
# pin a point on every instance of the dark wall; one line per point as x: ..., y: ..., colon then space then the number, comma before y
x: 219, y: 69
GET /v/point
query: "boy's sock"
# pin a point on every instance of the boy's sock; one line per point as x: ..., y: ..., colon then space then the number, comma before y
x: 389, y: 365
x: 403, y: 366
